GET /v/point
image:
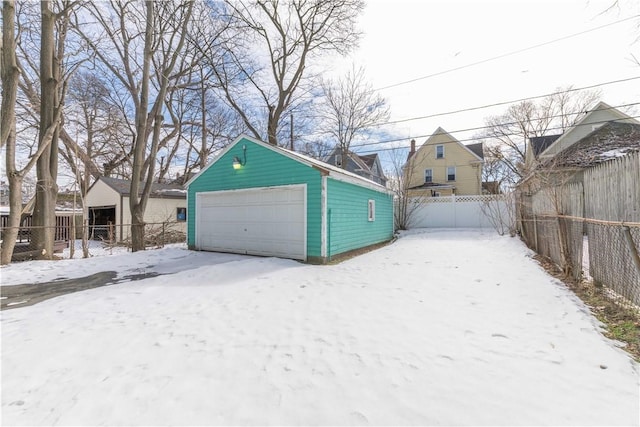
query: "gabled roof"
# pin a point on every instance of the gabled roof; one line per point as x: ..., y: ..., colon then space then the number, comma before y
x: 588, y: 119
x: 541, y: 143
x: 608, y: 142
x: 123, y: 187
x: 325, y: 168
x: 364, y: 161
x: 474, y: 152
x: 477, y: 149
x: 368, y: 159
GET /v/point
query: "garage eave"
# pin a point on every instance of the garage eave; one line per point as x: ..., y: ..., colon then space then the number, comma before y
x: 325, y: 169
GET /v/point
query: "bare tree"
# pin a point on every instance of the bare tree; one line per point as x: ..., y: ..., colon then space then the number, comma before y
x: 351, y: 108
x: 407, y: 203
x: 316, y: 148
x: 146, y: 62
x: 500, y: 210
x: 287, y: 35
x: 200, y: 125
x: 508, y: 133
x: 496, y: 172
x: 95, y: 126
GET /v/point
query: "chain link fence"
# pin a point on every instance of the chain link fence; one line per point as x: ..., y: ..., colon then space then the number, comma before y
x: 604, y: 253
x: 156, y: 235
x: 613, y: 260
x: 588, y: 223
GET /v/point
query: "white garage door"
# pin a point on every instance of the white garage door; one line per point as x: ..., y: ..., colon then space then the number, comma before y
x: 268, y: 221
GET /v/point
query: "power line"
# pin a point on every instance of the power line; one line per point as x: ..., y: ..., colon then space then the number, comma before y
x: 497, y: 104
x: 481, y: 107
x: 480, y: 128
x: 504, y: 55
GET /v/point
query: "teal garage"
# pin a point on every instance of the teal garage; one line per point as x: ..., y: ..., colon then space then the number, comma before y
x: 258, y: 199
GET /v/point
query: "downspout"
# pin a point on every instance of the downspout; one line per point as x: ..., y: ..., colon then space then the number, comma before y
x: 329, y: 235
x: 323, y: 217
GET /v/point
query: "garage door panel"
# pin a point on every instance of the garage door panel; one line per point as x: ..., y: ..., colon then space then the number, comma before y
x: 270, y: 221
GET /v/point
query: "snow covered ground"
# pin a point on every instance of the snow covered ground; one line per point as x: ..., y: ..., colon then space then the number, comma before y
x: 441, y: 327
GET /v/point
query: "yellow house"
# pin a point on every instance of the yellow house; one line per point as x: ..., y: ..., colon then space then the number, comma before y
x: 443, y: 166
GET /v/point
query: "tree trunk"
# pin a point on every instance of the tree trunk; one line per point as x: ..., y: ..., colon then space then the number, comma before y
x: 9, y: 74
x: 46, y: 167
x: 9, y: 71
x: 137, y: 204
x: 272, y: 126
x: 10, y: 233
x: 137, y: 229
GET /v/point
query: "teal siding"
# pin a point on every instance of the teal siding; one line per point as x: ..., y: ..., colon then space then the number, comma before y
x: 263, y: 168
x: 348, y: 225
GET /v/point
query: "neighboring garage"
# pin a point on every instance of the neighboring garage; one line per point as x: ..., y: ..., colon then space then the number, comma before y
x: 258, y: 199
x: 107, y: 207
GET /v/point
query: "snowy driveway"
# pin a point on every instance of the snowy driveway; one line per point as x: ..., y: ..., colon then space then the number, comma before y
x: 441, y: 327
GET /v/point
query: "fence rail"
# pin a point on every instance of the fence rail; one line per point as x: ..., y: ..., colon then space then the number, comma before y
x: 62, y: 227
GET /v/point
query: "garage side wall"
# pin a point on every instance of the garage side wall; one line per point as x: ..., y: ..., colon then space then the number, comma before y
x: 348, y: 225
x: 263, y: 168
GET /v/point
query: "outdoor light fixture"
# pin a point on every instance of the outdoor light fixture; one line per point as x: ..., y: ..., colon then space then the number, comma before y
x: 237, y: 163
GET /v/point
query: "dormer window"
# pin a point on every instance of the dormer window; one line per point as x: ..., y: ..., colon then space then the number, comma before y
x: 338, y: 159
x: 439, y: 151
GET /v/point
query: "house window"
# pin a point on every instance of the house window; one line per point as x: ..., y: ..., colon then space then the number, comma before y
x: 439, y: 151
x: 428, y: 175
x: 338, y: 159
x: 181, y: 214
x: 451, y: 173
x: 372, y: 210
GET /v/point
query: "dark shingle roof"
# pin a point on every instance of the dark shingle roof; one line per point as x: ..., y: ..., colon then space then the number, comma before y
x: 477, y: 149
x: 169, y: 191
x: 611, y: 140
x: 368, y: 159
x: 541, y: 143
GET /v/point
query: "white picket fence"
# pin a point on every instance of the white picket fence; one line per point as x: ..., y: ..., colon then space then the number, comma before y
x: 458, y: 211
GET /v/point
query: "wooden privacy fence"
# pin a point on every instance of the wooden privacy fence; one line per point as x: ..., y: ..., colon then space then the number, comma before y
x: 591, y: 228
x: 62, y: 227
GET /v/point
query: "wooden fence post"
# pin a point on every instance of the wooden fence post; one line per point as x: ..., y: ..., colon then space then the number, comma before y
x: 535, y: 232
x: 632, y: 247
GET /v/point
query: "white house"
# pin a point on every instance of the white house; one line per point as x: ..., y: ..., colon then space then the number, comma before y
x: 107, y: 207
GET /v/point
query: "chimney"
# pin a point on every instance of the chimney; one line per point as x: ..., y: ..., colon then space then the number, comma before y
x: 413, y: 149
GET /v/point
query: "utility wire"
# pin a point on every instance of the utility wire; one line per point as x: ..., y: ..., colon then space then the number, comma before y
x: 480, y: 107
x: 504, y: 55
x: 368, y: 144
x: 497, y: 104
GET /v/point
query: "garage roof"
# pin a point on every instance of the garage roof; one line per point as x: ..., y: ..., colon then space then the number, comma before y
x: 325, y: 168
x: 167, y: 191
